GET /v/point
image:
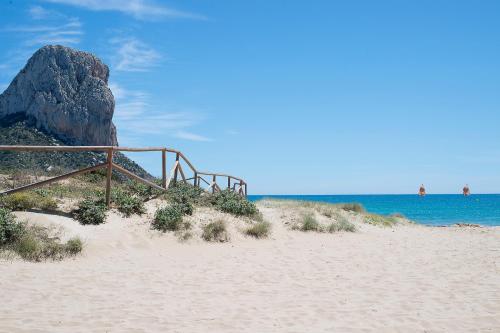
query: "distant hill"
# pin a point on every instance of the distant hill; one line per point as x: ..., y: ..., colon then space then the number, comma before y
x: 19, y: 132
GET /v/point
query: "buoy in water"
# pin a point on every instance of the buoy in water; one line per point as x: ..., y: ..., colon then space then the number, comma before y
x: 421, y: 190
x: 466, y: 190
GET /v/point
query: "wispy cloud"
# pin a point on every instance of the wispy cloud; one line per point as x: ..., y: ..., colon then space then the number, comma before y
x: 135, y: 115
x: 133, y: 55
x: 67, y: 33
x: 40, y: 13
x: 139, y: 9
x: 190, y: 136
x: 48, y: 27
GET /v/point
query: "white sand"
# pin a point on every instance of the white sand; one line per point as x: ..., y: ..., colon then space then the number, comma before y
x: 131, y: 279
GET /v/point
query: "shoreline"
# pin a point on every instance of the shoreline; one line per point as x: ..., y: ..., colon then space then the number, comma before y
x: 432, y: 210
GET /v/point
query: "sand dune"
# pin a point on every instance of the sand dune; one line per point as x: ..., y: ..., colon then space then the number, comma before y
x: 130, y: 279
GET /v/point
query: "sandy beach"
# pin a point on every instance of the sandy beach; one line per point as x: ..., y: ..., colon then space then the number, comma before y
x: 408, y: 278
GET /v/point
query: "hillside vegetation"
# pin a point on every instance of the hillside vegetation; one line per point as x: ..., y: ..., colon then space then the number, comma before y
x: 21, y: 133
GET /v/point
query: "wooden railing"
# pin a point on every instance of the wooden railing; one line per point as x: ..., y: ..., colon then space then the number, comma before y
x: 177, y: 172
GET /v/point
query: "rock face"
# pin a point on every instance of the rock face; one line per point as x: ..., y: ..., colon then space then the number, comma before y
x: 65, y: 93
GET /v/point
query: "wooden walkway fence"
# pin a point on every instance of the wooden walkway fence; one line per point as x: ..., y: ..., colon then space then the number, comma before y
x: 177, y: 172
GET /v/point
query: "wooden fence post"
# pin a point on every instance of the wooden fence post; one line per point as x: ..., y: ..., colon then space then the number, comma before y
x: 164, y: 168
x: 228, y: 182
x: 195, y: 179
x: 214, y: 181
x: 108, y: 177
x: 175, y: 171
x: 246, y: 192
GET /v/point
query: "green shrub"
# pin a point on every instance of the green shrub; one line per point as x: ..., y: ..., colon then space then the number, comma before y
x: 126, y: 203
x: 142, y: 190
x: 233, y: 203
x: 94, y: 176
x: 185, y: 208
x: 181, y: 192
x: 10, y: 229
x: 74, y: 246
x: 215, y: 232
x: 167, y: 219
x: 380, y: 220
x: 28, y: 200
x: 18, y: 201
x: 91, y: 211
x: 46, y: 203
x: 260, y: 229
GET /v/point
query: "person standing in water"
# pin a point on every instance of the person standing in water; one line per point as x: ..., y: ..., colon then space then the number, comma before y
x: 421, y: 190
x: 466, y: 190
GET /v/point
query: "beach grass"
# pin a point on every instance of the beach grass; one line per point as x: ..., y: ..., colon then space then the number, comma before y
x: 380, y: 220
x: 307, y: 222
x: 260, y: 229
x: 215, y: 232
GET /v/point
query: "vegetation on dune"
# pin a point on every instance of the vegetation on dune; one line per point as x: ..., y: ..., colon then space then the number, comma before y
x: 184, y: 193
x: 380, y: 220
x: 167, y: 219
x: 10, y: 229
x: 33, y: 243
x: 19, y: 132
x: 215, y: 232
x: 127, y: 204
x: 182, y: 197
x: 341, y: 225
x: 233, y: 203
x: 308, y: 222
x: 28, y: 200
x: 260, y: 229
x: 185, y: 208
x: 142, y: 190
x: 324, y: 208
x: 91, y: 211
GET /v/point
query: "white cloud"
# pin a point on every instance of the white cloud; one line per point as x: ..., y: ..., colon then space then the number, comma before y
x: 190, y: 136
x: 38, y: 12
x: 41, y: 13
x: 132, y: 55
x: 134, y: 115
x: 139, y: 9
x: 68, y: 33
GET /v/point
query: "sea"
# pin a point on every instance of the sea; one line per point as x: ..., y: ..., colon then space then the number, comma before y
x: 432, y: 209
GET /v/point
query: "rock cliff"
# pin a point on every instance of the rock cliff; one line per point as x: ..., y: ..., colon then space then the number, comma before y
x: 65, y: 93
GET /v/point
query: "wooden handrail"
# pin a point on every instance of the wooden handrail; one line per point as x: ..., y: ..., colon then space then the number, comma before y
x: 109, y: 165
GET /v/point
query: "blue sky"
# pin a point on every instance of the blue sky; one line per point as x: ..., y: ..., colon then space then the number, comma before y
x: 297, y: 97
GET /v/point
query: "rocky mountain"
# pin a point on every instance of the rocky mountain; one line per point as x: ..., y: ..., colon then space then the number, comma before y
x: 65, y: 93
x: 60, y: 97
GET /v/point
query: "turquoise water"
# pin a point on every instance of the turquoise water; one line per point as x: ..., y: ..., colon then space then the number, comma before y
x: 437, y: 209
